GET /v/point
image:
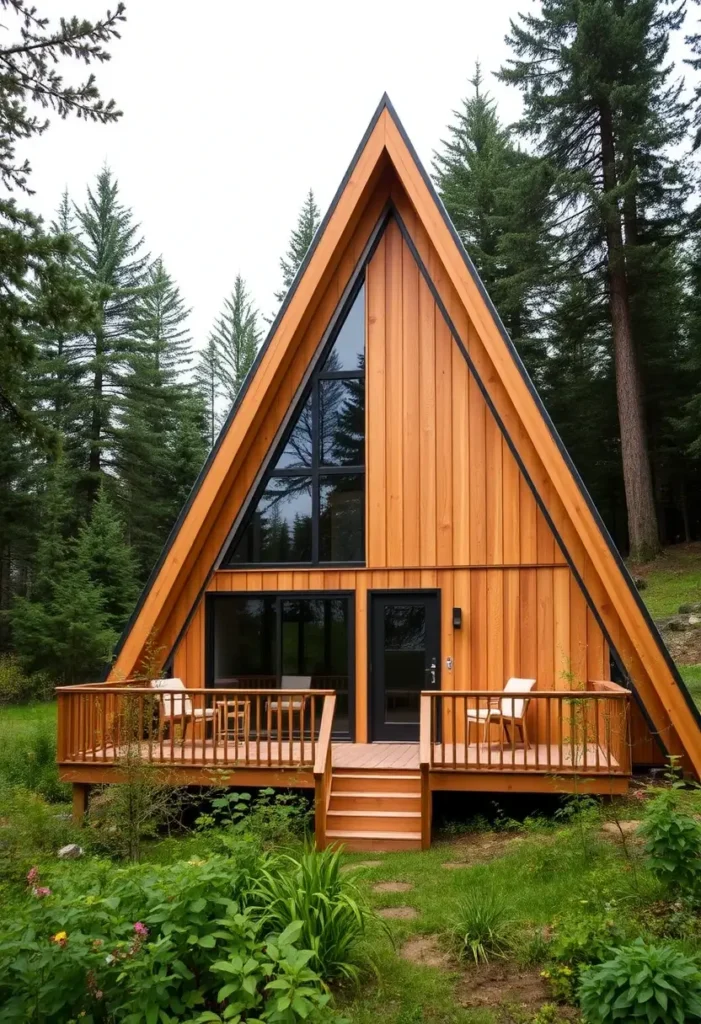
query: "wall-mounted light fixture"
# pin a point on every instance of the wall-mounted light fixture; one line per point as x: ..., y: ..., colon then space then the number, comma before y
x: 457, y: 618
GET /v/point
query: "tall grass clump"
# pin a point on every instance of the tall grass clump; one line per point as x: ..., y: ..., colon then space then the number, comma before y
x: 481, y: 928
x: 334, y: 918
x: 28, y: 753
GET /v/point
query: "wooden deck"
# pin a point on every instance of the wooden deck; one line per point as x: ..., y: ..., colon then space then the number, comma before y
x: 367, y: 795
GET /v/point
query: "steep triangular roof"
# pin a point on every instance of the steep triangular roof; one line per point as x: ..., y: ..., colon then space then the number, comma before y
x: 582, y: 535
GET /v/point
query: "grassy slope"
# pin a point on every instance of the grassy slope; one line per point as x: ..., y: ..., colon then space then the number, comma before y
x: 672, y: 579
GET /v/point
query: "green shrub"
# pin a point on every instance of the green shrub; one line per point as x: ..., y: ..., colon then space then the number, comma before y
x: 672, y: 840
x: 17, y: 687
x: 481, y: 926
x: 29, y: 828
x: 139, y: 945
x: 578, y: 941
x: 313, y: 890
x: 657, y: 984
x: 271, y: 818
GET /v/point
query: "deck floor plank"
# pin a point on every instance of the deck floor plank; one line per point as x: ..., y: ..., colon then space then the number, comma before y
x: 376, y: 756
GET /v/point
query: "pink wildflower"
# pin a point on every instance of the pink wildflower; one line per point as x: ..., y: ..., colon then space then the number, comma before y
x: 33, y: 876
x: 639, y: 795
x: 141, y: 930
x: 40, y: 891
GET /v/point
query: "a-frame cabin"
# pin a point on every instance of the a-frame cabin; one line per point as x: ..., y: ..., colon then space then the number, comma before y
x: 387, y: 533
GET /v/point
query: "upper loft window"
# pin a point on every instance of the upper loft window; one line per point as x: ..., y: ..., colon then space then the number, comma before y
x: 311, y: 506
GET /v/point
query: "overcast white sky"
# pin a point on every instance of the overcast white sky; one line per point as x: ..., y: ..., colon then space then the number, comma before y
x: 233, y: 110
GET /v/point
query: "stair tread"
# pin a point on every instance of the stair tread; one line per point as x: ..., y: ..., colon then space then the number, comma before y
x: 345, y: 834
x: 355, y: 774
x: 375, y: 814
x: 372, y: 794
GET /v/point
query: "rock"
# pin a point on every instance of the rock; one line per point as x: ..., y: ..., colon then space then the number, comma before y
x: 63, y: 817
x: 679, y: 625
x: 688, y: 609
x: 70, y: 852
x: 620, y: 828
x: 694, y: 620
x: 640, y: 583
x: 392, y: 887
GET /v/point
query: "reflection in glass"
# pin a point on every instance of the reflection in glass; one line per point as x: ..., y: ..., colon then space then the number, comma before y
x: 315, y: 643
x: 342, y: 422
x: 244, y: 642
x: 341, y: 508
x: 405, y: 661
x: 348, y: 352
x: 299, y: 447
x: 280, y: 529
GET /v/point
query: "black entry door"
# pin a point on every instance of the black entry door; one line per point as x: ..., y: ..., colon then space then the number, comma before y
x: 404, y: 660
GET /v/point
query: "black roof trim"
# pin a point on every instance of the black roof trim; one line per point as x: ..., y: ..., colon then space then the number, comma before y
x: 384, y: 103
x: 544, y: 412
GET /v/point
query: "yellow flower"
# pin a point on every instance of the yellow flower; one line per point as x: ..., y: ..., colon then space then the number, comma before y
x: 59, y: 937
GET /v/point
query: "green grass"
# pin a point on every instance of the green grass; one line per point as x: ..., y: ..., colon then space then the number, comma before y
x: 691, y: 674
x: 25, y: 719
x: 672, y: 579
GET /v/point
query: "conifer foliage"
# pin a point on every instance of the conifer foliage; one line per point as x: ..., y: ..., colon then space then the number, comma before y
x: 301, y: 238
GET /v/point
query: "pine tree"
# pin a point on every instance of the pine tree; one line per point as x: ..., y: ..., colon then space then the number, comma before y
x: 32, y: 82
x: 101, y: 550
x: 236, y: 338
x: 599, y: 107
x: 498, y: 199
x: 301, y: 238
x: 110, y: 260
x: 158, y: 323
x: 208, y: 378
x: 61, y: 625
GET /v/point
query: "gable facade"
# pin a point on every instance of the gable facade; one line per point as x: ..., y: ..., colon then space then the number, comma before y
x: 467, y: 495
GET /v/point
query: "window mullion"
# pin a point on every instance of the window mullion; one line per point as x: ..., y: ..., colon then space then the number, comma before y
x: 315, y: 471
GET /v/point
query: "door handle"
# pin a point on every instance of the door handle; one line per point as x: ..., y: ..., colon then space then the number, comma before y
x: 431, y: 672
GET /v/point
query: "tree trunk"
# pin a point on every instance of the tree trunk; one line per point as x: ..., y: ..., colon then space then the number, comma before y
x: 637, y: 478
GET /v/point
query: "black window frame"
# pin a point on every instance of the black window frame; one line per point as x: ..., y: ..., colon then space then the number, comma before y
x: 279, y: 596
x: 317, y: 469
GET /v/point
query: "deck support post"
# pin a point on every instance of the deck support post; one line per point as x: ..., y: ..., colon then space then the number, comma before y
x: 426, y: 808
x: 80, y: 801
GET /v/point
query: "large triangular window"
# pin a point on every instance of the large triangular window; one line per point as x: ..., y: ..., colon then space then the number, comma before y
x: 311, y: 505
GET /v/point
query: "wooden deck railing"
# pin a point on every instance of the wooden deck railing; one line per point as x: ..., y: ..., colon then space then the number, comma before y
x: 103, y: 723
x: 322, y: 771
x: 562, y: 731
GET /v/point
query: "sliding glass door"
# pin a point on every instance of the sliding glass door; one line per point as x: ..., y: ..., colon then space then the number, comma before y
x: 298, y: 641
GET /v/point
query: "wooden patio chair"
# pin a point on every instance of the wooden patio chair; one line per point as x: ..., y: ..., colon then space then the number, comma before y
x: 175, y: 708
x: 297, y: 704
x: 504, y: 710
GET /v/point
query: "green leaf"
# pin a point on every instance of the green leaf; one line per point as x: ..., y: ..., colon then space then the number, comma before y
x: 207, y: 941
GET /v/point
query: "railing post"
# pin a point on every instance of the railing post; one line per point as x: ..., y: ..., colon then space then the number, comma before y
x: 323, y: 771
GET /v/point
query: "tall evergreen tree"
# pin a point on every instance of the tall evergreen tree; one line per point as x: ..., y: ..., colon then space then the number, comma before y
x: 108, y: 561
x: 161, y: 420
x: 301, y: 238
x: 61, y: 626
x: 111, y: 261
x: 598, y: 104
x: 498, y: 198
x: 208, y: 382
x: 236, y: 337
x: 31, y: 82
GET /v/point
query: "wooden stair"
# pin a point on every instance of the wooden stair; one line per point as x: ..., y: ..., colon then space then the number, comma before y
x: 374, y: 810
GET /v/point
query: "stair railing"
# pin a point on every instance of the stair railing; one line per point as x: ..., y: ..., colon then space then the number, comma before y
x: 323, y: 770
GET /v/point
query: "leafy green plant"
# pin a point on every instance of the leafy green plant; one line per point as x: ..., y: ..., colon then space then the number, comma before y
x: 657, y: 984
x: 672, y: 839
x: 333, y: 916
x: 18, y: 687
x: 31, y: 827
x: 481, y: 928
x: 271, y: 817
x: 140, y: 945
x: 577, y: 941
